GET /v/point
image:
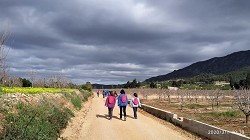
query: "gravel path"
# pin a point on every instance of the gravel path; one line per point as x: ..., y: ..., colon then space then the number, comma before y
x: 91, y: 123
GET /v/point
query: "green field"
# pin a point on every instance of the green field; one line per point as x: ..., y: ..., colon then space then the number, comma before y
x: 4, y: 90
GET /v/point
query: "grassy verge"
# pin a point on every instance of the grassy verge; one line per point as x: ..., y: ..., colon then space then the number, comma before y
x: 43, y: 120
x: 34, y: 122
x: 195, y: 106
x: 226, y: 114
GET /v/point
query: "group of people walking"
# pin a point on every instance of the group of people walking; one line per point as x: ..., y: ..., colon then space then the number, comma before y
x: 105, y: 93
x: 122, y: 101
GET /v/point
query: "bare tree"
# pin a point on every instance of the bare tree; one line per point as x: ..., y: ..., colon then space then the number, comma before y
x: 178, y: 95
x: 14, y: 81
x: 64, y: 82
x: 39, y: 83
x: 51, y: 82
x: 196, y: 96
x: 181, y: 93
x: 160, y: 93
x: 145, y: 94
x: 211, y: 98
x: 218, y: 96
x: 243, y: 102
x: 58, y: 81
x: 33, y: 75
x: 167, y: 93
x: 214, y: 97
x: 5, y: 77
x: 3, y: 55
x: 189, y: 96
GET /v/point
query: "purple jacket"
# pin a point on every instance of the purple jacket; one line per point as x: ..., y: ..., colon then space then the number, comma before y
x: 107, y: 104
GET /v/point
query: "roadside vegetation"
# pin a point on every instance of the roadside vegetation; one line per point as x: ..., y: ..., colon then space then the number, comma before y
x: 29, y: 90
x: 38, y: 115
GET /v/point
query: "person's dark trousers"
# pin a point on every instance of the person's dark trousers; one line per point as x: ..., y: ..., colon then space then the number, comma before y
x: 110, y: 112
x: 122, y: 108
x: 135, y: 112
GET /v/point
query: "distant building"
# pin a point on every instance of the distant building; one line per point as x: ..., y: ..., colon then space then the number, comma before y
x: 173, y: 88
x: 199, y: 83
x: 221, y: 83
x: 158, y: 85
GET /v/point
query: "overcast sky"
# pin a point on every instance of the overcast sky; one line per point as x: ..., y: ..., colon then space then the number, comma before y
x: 113, y: 41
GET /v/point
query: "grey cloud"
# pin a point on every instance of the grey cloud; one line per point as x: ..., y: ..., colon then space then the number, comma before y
x: 115, y: 41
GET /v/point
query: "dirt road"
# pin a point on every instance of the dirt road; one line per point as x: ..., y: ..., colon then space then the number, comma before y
x: 92, y: 124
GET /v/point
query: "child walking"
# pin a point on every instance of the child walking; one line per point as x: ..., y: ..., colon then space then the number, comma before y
x: 110, y: 103
x: 135, y: 102
x: 122, y: 103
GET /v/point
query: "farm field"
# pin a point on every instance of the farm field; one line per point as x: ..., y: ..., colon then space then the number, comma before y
x: 223, y: 117
x: 219, y: 108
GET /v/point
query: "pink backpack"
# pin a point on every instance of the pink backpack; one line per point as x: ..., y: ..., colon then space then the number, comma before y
x: 124, y: 99
x: 111, y: 99
x: 136, y: 101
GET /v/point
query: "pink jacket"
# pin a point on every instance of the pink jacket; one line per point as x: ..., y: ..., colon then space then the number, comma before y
x: 107, y: 104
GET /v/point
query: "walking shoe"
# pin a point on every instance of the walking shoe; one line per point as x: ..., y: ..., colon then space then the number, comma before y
x: 124, y: 118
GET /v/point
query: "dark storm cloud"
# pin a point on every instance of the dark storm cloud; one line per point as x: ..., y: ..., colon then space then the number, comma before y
x: 112, y: 41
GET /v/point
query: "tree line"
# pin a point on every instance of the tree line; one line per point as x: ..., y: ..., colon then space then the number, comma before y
x: 242, y: 84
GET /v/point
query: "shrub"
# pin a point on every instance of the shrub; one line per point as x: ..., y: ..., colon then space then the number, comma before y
x: 87, y: 86
x: 70, y: 112
x: 77, y: 102
x: 34, y: 122
x: 230, y: 114
x: 78, y: 99
x: 58, y: 119
x: 19, y: 105
x: 86, y: 94
x: 42, y: 121
x: 233, y: 113
x: 195, y: 106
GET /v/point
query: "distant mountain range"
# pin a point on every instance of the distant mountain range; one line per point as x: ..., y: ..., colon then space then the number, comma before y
x: 217, y: 65
x: 102, y: 86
